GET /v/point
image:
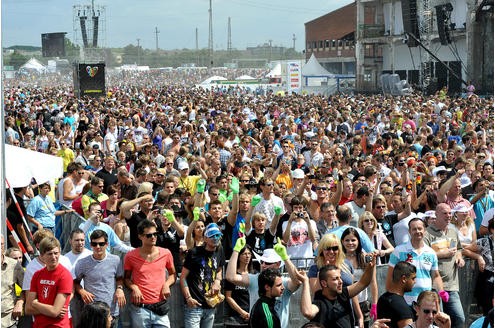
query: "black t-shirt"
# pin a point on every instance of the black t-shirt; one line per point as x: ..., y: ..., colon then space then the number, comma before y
x: 240, y: 294
x: 260, y: 241
x: 260, y: 318
x: 132, y: 223
x: 109, y: 178
x: 203, y: 266
x: 387, y: 226
x: 334, y: 313
x: 393, y: 307
x: 170, y: 240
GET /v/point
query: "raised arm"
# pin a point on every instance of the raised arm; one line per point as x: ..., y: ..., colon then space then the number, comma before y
x: 365, y: 280
x: 231, y: 274
x: 308, y: 309
x: 127, y: 206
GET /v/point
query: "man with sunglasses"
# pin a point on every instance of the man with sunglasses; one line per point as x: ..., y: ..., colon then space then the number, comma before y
x: 149, y: 272
x: 266, y: 201
x: 102, y: 276
x: 95, y: 222
x: 202, y: 276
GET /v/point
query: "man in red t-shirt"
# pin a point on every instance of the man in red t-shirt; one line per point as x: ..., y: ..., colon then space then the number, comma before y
x: 51, y: 287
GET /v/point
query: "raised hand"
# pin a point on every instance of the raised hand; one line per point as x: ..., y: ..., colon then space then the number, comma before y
x: 255, y: 200
x: 281, y: 250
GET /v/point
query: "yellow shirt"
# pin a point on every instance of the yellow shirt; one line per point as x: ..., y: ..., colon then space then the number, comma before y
x: 189, y: 183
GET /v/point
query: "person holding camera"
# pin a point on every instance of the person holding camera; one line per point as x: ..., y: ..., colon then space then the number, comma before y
x: 300, y: 232
x: 95, y: 222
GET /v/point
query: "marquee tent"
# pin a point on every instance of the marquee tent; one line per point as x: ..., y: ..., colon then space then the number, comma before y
x: 21, y: 165
x: 35, y: 65
x: 314, y: 68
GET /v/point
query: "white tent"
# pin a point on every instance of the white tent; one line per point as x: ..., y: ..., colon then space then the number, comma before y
x: 212, y: 79
x: 314, y: 68
x: 34, y: 64
x: 22, y: 164
x: 276, y: 71
x: 245, y: 77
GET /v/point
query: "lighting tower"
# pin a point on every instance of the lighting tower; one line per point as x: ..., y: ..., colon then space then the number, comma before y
x: 89, y: 28
x: 229, y: 38
x: 425, y: 21
x: 210, y: 35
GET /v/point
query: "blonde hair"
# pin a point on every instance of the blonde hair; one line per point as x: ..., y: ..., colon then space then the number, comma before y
x: 428, y: 295
x: 330, y: 239
x: 370, y: 216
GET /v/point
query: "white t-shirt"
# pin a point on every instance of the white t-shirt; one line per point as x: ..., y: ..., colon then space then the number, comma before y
x: 299, y: 244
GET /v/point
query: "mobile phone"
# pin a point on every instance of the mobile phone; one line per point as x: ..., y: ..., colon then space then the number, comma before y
x: 335, y: 174
x: 453, y: 243
x: 368, y: 258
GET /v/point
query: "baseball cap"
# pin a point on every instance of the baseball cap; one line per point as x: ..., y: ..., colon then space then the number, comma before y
x: 182, y: 165
x: 298, y: 174
x: 212, y: 229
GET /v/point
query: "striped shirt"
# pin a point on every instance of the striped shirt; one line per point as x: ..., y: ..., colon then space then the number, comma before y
x: 425, y: 261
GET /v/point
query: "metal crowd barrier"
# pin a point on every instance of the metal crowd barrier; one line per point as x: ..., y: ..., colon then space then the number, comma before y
x: 467, y: 282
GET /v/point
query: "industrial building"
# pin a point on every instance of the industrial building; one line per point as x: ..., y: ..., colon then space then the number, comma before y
x: 429, y: 43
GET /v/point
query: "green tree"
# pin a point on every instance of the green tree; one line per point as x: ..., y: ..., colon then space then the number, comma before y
x: 17, y: 59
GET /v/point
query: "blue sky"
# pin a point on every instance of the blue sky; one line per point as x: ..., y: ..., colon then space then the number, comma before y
x: 253, y: 22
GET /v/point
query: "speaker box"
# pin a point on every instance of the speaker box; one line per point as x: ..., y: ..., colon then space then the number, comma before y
x: 410, y: 20
x: 443, y: 14
x: 455, y: 84
x: 441, y: 75
x: 53, y: 44
x: 413, y: 77
x: 89, y: 80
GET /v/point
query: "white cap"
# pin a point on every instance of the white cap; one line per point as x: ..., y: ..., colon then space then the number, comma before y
x: 298, y: 174
x: 182, y: 165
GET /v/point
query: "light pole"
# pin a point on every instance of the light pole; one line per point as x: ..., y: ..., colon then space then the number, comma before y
x: 138, y: 51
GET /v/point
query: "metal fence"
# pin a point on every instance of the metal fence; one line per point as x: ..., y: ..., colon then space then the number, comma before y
x: 467, y: 281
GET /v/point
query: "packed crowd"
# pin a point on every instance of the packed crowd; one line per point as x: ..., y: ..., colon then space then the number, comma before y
x: 173, y: 181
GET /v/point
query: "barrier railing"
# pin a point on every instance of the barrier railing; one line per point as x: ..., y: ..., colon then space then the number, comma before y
x: 467, y: 281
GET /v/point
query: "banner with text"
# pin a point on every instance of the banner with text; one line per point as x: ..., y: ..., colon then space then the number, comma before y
x: 294, y: 76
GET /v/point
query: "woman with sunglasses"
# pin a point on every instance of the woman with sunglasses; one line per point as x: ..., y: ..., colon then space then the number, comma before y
x: 355, y: 255
x: 329, y: 252
x: 428, y: 312
x: 369, y: 224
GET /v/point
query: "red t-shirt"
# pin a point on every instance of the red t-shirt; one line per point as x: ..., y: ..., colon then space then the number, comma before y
x: 47, y: 284
x: 149, y: 276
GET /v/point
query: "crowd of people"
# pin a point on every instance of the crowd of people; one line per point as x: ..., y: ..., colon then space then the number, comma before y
x: 221, y: 190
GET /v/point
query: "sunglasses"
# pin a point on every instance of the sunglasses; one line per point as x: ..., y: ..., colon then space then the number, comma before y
x: 367, y: 221
x: 332, y: 248
x: 101, y: 244
x: 379, y: 207
x: 426, y: 311
x: 322, y: 188
x: 151, y: 235
x: 244, y: 180
x: 267, y: 263
x: 269, y: 185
